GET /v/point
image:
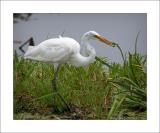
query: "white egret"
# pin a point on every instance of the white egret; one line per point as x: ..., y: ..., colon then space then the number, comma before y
x: 65, y: 50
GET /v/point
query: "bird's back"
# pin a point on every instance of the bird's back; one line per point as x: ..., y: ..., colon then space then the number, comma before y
x: 56, y: 50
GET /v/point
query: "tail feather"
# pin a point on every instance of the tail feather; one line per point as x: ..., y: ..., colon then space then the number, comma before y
x: 29, y: 51
x: 30, y: 47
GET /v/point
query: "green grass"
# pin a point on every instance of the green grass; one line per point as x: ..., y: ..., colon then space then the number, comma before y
x: 98, y: 91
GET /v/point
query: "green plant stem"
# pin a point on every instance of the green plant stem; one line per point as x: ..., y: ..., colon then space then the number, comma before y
x: 103, y: 62
x: 121, y: 52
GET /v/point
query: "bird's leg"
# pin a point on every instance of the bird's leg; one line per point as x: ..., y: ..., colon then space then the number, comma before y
x: 30, y: 41
x: 54, y: 85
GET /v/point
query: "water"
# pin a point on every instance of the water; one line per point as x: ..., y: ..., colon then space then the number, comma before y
x: 120, y: 28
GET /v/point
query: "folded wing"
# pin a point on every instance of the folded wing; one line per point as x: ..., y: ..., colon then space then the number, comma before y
x: 48, y: 53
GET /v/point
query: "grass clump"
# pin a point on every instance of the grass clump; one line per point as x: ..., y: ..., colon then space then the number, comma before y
x: 84, y: 88
x: 94, y: 91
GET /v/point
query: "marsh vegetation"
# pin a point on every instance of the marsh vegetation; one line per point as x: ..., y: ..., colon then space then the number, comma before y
x: 99, y: 91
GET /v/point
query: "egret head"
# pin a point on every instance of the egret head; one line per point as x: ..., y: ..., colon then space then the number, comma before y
x: 95, y: 35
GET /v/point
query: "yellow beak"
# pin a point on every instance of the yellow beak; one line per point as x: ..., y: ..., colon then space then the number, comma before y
x: 104, y: 40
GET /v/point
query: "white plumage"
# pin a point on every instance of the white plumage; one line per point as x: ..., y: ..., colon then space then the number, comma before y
x: 65, y: 50
x: 57, y: 50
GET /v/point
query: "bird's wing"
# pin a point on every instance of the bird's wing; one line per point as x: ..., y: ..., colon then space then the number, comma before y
x: 49, y: 53
x: 56, y: 53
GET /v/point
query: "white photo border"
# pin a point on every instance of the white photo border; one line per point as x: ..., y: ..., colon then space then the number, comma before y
x: 149, y: 7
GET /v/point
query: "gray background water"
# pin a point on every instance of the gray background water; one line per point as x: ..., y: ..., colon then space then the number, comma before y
x: 121, y: 28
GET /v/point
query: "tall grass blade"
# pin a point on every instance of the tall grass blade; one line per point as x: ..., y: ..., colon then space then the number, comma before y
x: 136, y: 42
x: 115, y: 106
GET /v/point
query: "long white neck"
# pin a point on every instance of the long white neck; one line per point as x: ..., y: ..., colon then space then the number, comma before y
x: 84, y: 44
x: 87, y: 56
